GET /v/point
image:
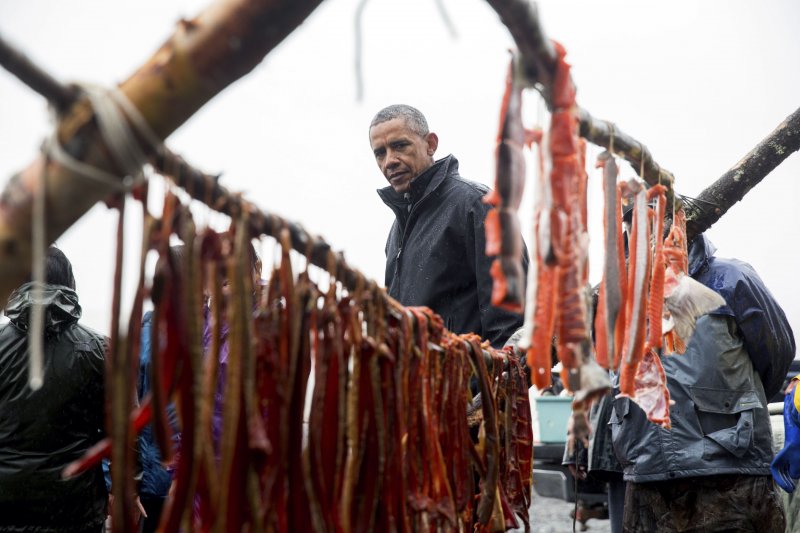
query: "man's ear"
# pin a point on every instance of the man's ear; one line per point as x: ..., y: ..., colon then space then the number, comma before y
x: 433, y: 143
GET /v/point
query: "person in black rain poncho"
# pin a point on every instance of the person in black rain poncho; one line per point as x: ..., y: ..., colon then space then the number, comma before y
x: 43, y: 430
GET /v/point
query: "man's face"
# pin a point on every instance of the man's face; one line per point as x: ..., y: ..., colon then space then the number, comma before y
x: 400, y: 153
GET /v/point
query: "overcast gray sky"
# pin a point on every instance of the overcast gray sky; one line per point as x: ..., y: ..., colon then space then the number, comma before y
x: 700, y: 83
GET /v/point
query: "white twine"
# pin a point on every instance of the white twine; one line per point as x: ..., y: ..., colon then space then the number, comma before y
x: 114, y: 112
x: 56, y: 152
x: 36, y: 319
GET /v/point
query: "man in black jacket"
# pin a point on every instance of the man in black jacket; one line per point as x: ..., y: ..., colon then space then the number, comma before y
x: 43, y: 430
x: 435, y: 253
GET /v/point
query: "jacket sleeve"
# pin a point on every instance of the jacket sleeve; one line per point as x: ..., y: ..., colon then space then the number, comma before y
x: 498, y: 324
x: 767, y: 335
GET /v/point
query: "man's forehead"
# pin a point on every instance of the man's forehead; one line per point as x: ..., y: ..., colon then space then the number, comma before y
x: 394, y: 129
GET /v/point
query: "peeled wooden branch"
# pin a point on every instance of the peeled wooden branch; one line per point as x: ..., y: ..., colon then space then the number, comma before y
x: 720, y: 196
x: 203, y: 56
x: 538, y: 58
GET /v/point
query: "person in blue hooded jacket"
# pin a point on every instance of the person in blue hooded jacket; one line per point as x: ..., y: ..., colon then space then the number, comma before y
x: 156, y: 480
x: 786, y: 465
x: 711, y: 471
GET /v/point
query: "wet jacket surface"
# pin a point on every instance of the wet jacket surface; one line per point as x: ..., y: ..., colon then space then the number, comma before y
x: 737, y: 358
x: 42, y: 431
x: 435, y: 252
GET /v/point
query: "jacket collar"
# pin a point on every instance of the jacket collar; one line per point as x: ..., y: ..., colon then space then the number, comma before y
x: 422, y: 185
x: 700, y: 250
x: 61, y: 306
x: 419, y: 185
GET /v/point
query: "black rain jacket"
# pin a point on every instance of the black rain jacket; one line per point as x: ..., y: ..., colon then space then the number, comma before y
x: 435, y: 253
x: 44, y: 430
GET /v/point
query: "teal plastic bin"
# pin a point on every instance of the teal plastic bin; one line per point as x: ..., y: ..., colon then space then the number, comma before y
x: 553, y: 413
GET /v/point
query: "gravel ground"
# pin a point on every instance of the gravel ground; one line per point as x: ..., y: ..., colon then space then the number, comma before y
x: 550, y: 515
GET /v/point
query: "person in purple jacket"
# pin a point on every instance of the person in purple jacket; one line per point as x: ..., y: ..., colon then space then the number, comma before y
x: 219, y: 395
x: 223, y: 355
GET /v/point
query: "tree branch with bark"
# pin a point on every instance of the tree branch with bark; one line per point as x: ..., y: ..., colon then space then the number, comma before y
x: 716, y: 199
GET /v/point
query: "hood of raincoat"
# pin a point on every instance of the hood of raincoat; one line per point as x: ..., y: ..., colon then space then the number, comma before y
x: 760, y: 321
x: 61, y: 306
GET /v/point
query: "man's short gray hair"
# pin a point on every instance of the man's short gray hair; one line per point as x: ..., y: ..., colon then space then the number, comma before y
x: 413, y: 117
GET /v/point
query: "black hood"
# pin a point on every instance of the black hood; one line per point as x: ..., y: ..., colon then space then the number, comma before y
x: 61, y: 306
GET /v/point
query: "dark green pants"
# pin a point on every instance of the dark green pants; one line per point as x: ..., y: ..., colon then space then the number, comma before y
x: 704, y: 504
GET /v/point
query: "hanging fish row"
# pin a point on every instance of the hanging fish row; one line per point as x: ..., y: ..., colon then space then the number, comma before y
x: 637, y: 293
x: 386, y: 444
x: 648, y: 309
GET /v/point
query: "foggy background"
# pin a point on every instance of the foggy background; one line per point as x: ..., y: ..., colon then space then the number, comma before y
x: 700, y: 83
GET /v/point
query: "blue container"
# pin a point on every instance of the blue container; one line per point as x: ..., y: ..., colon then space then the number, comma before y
x: 553, y: 413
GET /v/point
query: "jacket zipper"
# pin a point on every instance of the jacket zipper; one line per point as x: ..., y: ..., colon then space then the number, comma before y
x: 403, y: 236
x: 397, y: 263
